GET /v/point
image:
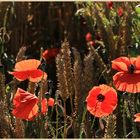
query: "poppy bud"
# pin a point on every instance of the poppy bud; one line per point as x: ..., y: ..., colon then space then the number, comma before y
x: 92, y: 43
x: 88, y: 36
x: 110, y: 5
x: 120, y: 11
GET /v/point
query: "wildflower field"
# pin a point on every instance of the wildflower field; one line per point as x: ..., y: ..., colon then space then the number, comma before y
x: 70, y: 69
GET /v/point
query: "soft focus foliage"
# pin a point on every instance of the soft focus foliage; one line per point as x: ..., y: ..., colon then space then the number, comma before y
x: 70, y: 70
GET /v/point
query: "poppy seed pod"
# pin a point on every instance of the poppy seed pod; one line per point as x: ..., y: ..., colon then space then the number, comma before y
x: 120, y: 11
x: 110, y: 5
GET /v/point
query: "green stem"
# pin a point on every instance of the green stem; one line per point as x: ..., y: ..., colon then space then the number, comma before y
x: 92, y: 122
x: 56, y: 120
x: 124, y: 122
x: 65, y: 121
x: 82, y: 123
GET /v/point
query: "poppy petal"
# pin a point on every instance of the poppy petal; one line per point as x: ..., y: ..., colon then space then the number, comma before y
x: 121, y: 64
x: 44, y: 107
x: 97, y: 111
x: 21, y: 75
x: 137, y: 119
x: 49, y: 54
x: 137, y: 63
x: 25, y: 105
x: 137, y: 115
x: 127, y: 82
x: 92, y: 97
x: 25, y: 65
x: 46, y: 102
x: 37, y: 75
x: 110, y: 102
x: 51, y: 102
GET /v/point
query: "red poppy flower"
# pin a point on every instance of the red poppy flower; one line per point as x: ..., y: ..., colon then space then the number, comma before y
x: 50, y: 54
x: 110, y: 4
x: 27, y: 69
x: 128, y: 77
x: 88, y: 36
x: 101, y: 101
x: 26, y: 105
x: 120, y: 11
x: 46, y: 102
x: 137, y: 119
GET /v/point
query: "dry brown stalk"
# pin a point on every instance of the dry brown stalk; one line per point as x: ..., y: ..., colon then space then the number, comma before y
x: 5, y: 129
x: 110, y: 130
x: 78, y: 86
x: 61, y: 78
x: 21, y: 54
x: 128, y: 26
x: 102, y: 65
x: 78, y: 78
x: 88, y: 72
x: 64, y: 72
x: 31, y: 87
x: 2, y: 89
x: 19, y: 129
x: 67, y: 66
x: 43, y: 87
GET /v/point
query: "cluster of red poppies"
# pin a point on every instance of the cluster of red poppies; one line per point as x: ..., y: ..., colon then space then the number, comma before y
x: 102, y: 100
x: 25, y: 103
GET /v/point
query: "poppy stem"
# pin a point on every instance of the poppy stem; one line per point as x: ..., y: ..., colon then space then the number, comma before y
x: 65, y: 120
x: 93, y: 122
x: 124, y: 121
x: 82, y: 123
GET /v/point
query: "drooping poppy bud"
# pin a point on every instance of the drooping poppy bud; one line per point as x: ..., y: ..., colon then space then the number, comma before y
x: 120, y: 11
x: 50, y: 54
x: 92, y: 43
x: 110, y: 5
x: 88, y: 36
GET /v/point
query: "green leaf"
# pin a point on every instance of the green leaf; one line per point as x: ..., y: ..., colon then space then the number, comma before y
x: 137, y: 8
